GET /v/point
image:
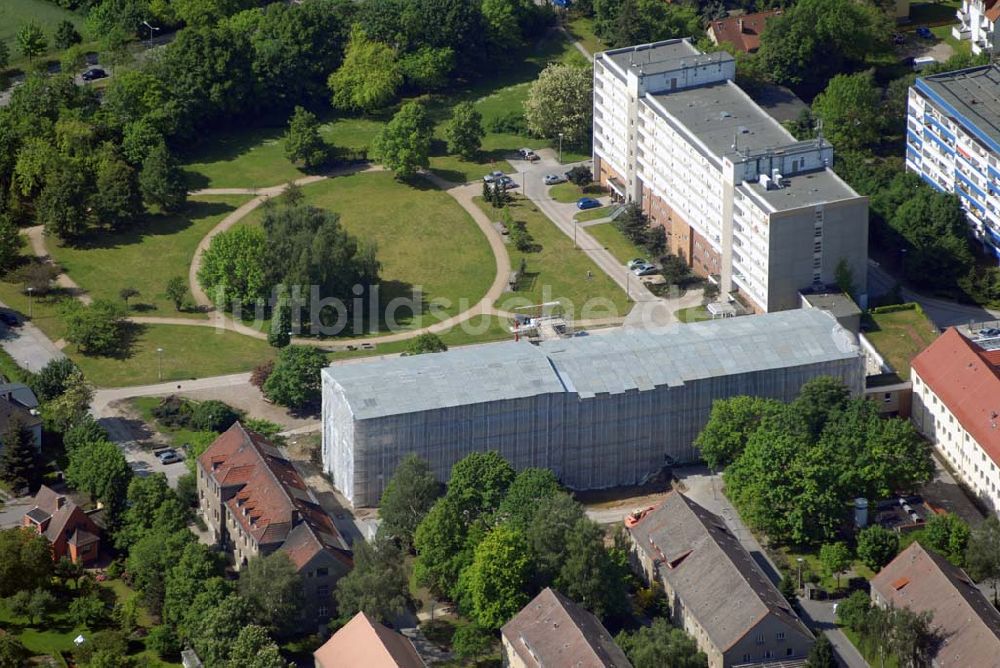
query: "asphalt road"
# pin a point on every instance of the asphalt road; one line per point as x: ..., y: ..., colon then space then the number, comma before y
x: 29, y: 347
x: 942, y: 312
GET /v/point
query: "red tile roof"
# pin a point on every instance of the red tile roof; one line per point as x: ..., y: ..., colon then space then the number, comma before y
x: 743, y: 32
x: 271, y: 499
x: 962, y: 616
x: 366, y: 643
x: 967, y: 379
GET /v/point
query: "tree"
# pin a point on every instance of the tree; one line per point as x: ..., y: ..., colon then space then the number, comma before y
x: 101, y: 470
x: 87, y: 610
x: 580, y: 175
x: 729, y: 425
x: 97, y: 328
x: 428, y: 68
x: 821, y: 654
x: 12, y: 652
x: 377, y: 584
x: 404, y: 144
x: 948, y: 534
x: 660, y: 644
x: 176, y: 291
x: 369, y: 77
x: 479, y: 483
x: 31, y: 40
x: 303, y: 143
x: 845, y: 278
x: 232, y: 267
x: 407, y: 499
x: 849, y: 109
x: 66, y: 35
x: 145, y: 496
x: 25, y: 561
x: 116, y: 200
x: 982, y: 556
x: 40, y: 605
x: 531, y: 486
x: 128, y: 293
x: 214, y: 415
x: 877, y: 546
x: 53, y: 379
x: 549, y: 532
x: 818, y: 399
x: 254, y: 648
x: 427, y: 343
x: 193, y: 583
x: 71, y: 406
x: 835, y: 558
x: 217, y: 629
x: 273, y: 587
x: 163, y: 640
x: 295, y: 381
x: 588, y: 574
x: 4, y: 55
x: 498, y: 577
x: 472, y: 641
x: 464, y: 130
x: 62, y: 204
x: 10, y: 243
x: 853, y: 612
x: 560, y: 101
x: 440, y: 541
x: 18, y: 459
x: 161, y: 180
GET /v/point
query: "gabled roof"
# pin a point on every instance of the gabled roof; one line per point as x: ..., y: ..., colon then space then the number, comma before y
x: 47, y: 499
x: 271, y: 500
x: 365, y: 643
x: 20, y: 394
x: 553, y: 630
x: 10, y: 409
x: 968, y: 625
x: 743, y: 32
x: 967, y: 379
x: 716, y: 579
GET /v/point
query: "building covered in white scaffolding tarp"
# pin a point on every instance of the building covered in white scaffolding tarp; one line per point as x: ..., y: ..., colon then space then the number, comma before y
x: 599, y: 411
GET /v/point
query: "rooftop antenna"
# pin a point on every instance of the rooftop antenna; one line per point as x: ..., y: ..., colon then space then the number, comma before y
x: 736, y: 141
x: 819, y: 130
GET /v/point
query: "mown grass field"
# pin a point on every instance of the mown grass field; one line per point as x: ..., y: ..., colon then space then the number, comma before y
x: 555, y: 271
x: 617, y: 243
x: 145, y: 255
x: 16, y: 13
x: 899, y: 336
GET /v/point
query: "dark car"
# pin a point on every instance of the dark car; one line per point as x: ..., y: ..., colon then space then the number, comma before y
x: 587, y: 203
x: 94, y: 74
x: 925, y: 32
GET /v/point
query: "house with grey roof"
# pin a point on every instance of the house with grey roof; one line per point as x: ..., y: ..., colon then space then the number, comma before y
x: 716, y: 591
x: 553, y: 630
x: 599, y: 411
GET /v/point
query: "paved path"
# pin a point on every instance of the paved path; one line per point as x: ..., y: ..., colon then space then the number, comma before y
x: 29, y: 347
x: 36, y: 237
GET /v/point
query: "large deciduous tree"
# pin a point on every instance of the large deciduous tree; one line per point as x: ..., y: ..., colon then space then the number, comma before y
x: 729, y: 426
x: 303, y: 143
x: 376, y: 585
x: 589, y: 575
x: 162, y: 181
x: 101, y: 470
x: 404, y: 144
x: 560, y: 101
x: 407, y: 499
x: 982, y: 556
x: 273, y: 587
x: 295, y: 380
x: 877, y: 546
x: 233, y: 270
x: 117, y: 200
x: 97, y: 328
x: 464, y: 130
x: 25, y: 561
x: 661, y: 644
x: 62, y: 205
x: 254, y: 648
x: 849, y: 109
x: 530, y: 487
x: 369, y: 77
x: 497, y: 579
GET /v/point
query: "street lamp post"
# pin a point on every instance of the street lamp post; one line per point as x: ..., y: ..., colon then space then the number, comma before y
x: 31, y: 304
x: 159, y: 363
x: 151, y: 29
x: 560, y: 147
x: 799, y: 560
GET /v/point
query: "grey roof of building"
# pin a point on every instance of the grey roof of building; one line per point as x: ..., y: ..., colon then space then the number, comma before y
x: 20, y: 393
x: 837, y: 303
x: 718, y: 112
x: 662, y: 56
x: 799, y: 190
x: 553, y: 630
x: 38, y: 515
x: 10, y: 409
x: 716, y: 579
x: 974, y: 93
x: 616, y: 362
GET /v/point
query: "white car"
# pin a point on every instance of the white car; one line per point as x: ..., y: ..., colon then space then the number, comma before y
x: 493, y: 176
x: 552, y: 179
x: 528, y: 154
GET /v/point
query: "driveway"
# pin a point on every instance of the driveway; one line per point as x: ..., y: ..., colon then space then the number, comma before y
x: 135, y: 441
x: 13, y: 511
x: 29, y: 347
x: 942, y: 312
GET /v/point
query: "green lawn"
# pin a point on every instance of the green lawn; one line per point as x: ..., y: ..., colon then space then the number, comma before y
x: 424, y: 239
x: 692, y: 314
x: 44, y: 312
x: 557, y: 271
x: 899, y: 336
x: 594, y: 214
x: 617, y: 243
x: 570, y: 192
x: 582, y: 28
x: 188, y: 352
x: 145, y: 255
x: 16, y: 13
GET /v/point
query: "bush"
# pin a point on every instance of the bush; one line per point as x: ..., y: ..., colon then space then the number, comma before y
x: 187, y: 490
x: 261, y: 373
x: 173, y: 411
x: 214, y: 415
x: 893, y: 308
x: 263, y: 427
x: 511, y: 123
x: 163, y: 640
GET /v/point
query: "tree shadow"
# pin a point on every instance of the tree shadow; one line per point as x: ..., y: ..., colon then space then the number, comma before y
x: 153, y: 224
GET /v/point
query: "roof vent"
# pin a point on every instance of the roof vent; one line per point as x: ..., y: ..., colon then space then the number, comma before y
x: 725, y: 114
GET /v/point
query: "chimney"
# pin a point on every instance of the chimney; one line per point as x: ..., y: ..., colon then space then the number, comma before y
x: 740, y: 22
x: 60, y: 502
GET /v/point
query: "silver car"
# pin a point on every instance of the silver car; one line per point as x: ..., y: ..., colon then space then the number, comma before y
x: 552, y: 179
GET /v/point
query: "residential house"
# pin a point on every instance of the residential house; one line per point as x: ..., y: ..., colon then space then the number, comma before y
x: 967, y: 625
x: 11, y: 408
x: 956, y: 406
x: 553, y: 630
x: 716, y: 591
x: 743, y: 32
x: 72, y: 532
x: 365, y: 643
x: 255, y: 503
x: 977, y: 21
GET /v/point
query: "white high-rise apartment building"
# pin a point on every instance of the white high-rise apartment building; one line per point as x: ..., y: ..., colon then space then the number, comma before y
x: 740, y: 198
x: 977, y: 21
x: 953, y: 142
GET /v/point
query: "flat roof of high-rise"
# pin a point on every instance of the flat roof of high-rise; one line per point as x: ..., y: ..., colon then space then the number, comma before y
x: 662, y: 56
x: 973, y: 95
x: 798, y: 190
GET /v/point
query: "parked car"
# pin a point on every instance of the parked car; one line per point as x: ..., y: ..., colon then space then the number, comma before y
x: 989, y: 332
x: 493, y: 176
x: 506, y: 182
x: 552, y: 179
x: 644, y: 269
x: 587, y: 203
x: 169, y: 456
x: 632, y: 264
x: 528, y: 154
x: 94, y: 74
x: 925, y: 32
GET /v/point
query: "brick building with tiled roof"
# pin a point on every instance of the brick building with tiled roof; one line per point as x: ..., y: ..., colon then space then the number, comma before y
x: 71, y: 531
x: 743, y: 32
x: 963, y: 619
x: 364, y: 643
x: 255, y: 503
x: 956, y: 405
